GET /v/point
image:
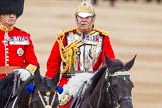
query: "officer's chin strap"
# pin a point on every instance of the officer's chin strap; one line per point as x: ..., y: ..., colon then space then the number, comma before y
x: 8, y: 21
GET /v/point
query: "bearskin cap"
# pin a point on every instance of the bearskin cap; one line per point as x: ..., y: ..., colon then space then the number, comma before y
x: 11, y: 6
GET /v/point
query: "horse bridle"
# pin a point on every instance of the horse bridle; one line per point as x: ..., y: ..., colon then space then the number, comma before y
x: 115, y: 101
x: 47, y: 104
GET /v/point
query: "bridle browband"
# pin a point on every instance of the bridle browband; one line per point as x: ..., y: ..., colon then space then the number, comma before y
x: 119, y: 73
x: 116, y: 102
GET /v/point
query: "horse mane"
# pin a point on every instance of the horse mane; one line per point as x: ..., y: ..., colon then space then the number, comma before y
x: 95, y: 79
x: 6, y: 88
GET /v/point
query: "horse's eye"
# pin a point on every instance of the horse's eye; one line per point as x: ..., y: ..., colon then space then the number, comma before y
x: 114, y: 85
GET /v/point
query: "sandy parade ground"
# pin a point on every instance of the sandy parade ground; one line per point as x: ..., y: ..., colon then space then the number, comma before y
x: 134, y: 27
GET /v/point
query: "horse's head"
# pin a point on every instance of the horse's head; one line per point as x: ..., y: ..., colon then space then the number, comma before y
x: 45, y: 94
x: 119, y: 84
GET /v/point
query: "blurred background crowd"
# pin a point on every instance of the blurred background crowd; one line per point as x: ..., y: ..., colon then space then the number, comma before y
x: 112, y: 2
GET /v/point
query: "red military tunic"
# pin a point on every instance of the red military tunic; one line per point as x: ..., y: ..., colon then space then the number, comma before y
x: 54, y: 60
x: 16, y: 50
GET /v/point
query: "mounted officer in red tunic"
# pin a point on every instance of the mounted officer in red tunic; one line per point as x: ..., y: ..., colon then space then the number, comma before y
x: 80, y: 49
x: 16, y: 48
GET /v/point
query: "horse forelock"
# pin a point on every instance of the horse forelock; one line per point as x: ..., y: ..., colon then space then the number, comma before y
x: 6, y: 85
x: 115, y: 66
x: 46, y: 84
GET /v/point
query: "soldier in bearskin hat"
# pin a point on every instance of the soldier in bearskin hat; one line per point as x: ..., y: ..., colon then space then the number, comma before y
x: 16, y: 47
x: 81, y: 49
x: 17, y: 51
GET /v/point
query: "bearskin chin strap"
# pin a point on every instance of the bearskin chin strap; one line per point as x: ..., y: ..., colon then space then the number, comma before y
x: 68, y: 53
x: 8, y: 21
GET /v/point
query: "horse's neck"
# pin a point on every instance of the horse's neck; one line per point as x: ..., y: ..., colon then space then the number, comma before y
x: 98, y: 92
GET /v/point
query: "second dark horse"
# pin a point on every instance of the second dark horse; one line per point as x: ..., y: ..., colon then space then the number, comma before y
x: 110, y: 87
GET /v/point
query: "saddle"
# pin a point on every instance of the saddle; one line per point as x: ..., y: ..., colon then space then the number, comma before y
x: 17, y: 90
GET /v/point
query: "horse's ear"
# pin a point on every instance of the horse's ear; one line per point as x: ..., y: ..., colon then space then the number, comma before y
x: 37, y: 76
x: 129, y: 64
x: 56, y: 79
x: 107, y: 60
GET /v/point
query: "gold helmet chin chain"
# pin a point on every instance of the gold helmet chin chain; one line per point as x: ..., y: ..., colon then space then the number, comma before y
x: 68, y: 53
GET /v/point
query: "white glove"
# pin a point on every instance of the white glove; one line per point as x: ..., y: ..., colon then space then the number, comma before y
x: 24, y: 74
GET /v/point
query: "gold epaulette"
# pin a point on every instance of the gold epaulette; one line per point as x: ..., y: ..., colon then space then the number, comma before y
x: 103, y: 32
x: 31, y: 68
x: 62, y: 33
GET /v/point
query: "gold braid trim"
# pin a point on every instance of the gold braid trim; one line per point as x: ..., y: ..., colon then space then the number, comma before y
x: 103, y: 32
x: 62, y: 33
x: 31, y: 68
x: 68, y: 53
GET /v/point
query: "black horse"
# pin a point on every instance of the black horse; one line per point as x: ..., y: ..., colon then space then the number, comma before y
x: 36, y: 92
x: 110, y: 87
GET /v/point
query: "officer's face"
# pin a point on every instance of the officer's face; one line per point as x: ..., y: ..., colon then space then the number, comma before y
x: 8, y: 19
x: 84, y: 24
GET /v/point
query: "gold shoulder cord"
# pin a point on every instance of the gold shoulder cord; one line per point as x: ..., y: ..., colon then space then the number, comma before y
x: 105, y: 33
x: 68, y: 53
